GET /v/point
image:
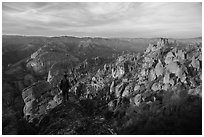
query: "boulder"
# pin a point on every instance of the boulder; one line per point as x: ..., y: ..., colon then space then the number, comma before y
x: 36, y: 98
x: 195, y: 63
x: 173, y: 67
x: 112, y: 105
x: 159, y: 69
x: 166, y: 87
x: 166, y: 78
x: 112, y: 87
x: 58, y: 98
x: 119, y: 89
x: 118, y: 72
x: 127, y: 91
x: 136, y: 88
x: 27, y: 94
x: 156, y: 86
x: 29, y: 107
x: 152, y: 75
x: 137, y: 99
x: 169, y: 57
x: 51, y: 104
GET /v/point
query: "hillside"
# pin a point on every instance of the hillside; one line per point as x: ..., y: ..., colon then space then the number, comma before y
x: 17, y: 47
x: 152, y: 90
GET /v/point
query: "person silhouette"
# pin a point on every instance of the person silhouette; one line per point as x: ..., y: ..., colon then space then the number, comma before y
x: 65, y: 86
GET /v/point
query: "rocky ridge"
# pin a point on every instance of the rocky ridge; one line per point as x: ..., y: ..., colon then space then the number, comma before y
x: 160, y: 85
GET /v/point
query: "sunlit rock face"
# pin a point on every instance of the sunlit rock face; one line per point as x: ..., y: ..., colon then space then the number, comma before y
x: 172, y: 66
x: 38, y: 99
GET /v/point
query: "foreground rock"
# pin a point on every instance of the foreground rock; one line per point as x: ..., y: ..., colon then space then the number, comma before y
x: 39, y: 98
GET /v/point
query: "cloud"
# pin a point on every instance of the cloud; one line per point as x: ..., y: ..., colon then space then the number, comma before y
x: 103, y: 19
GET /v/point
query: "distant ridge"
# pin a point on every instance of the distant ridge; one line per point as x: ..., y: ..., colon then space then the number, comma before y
x: 97, y: 37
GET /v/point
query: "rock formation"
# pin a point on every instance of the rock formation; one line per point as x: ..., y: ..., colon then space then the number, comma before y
x: 162, y: 82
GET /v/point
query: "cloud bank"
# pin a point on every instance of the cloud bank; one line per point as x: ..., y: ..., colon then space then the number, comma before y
x: 134, y: 19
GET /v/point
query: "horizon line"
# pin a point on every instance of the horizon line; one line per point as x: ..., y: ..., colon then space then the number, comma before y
x: 100, y: 36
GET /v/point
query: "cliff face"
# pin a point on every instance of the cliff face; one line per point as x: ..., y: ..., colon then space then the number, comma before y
x: 136, y: 91
x: 38, y: 99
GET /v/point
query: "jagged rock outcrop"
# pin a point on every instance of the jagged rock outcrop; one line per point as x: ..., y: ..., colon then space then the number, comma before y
x: 163, y: 83
x: 39, y: 98
x: 164, y: 76
x: 43, y: 96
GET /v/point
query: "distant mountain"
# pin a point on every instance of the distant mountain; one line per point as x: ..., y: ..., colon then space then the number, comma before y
x: 190, y: 40
x: 15, y: 48
x: 143, y: 42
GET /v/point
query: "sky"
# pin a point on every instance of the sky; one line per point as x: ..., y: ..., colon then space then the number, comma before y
x: 116, y: 19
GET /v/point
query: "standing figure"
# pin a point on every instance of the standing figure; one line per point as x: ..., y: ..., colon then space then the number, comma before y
x: 65, y: 86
